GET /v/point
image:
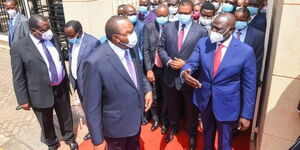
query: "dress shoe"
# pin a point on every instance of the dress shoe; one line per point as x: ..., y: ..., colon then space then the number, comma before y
x: 154, y: 126
x: 54, y: 147
x: 145, y: 121
x: 87, y: 136
x: 164, y: 129
x: 73, y: 145
x: 193, y: 143
x: 170, y: 136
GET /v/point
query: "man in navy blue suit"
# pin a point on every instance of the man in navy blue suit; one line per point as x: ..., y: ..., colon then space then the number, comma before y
x: 258, y: 19
x: 115, y: 90
x: 225, y: 89
x: 249, y: 35
x: 81, y: 46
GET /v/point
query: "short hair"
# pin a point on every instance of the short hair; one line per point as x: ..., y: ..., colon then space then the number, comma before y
x: 186, y: 3
x: 76, y: 25
x: 12, y: 1
x: 111, y: 26
x: 243, y: 10
x: 208, y: 6
x: 162, y: 6
x: 34, y: 21
x: 121, y: 5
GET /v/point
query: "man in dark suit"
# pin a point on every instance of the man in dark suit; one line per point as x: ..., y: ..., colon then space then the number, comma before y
x: 227, y: 73
x: 18, y: 24
x: 40, y: 81
x: 115, y: 91
x: 145, y: 14
x: 250, y: 35
x: 154, y: 67
x: 177, y: 43
x: 258, y: 20
x: 81, y: 46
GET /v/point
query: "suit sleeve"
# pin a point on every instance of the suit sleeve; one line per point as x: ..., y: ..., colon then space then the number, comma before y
x: 248, y: 86
x: 19, y: 77
x: 193, y: 62
x: 147, y: 53
x: 162, y: 49
x: 259, y: 55
x: 146, y: 85
x: 92, y: 101
x: 26, y: 28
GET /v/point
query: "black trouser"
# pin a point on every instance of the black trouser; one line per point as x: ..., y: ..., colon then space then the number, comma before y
x: 175, y: 97
x: 126, y: 143
x: 63, y: 111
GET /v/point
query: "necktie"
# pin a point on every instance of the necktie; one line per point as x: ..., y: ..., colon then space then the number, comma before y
x: 161, y: 29
x: 239, y: 34
x: 130, y: 67
x: 142, y: 16
x: 52, y: 67
x: 157, y: 60
x: 217, y: 59
x: 11, y: 29
x: 180, y: 37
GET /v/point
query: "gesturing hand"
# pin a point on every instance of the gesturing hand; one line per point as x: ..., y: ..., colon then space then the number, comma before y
x: 189, y: 80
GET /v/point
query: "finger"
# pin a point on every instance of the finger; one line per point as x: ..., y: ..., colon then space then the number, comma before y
x: 147, y: 107
x: 240, y: 126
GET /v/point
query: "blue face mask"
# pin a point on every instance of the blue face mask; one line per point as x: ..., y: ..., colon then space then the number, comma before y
x: 162, y: 20
x: 253, y: 10
x: 133, y: 18
x: 240, y: 25
x: 74, y: 40
x: 143, y: 9
x: 184, y: 19
x: 227, y: 7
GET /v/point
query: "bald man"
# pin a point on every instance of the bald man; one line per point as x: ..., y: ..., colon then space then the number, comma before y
x: 115, y: 96
x: 225, y: 89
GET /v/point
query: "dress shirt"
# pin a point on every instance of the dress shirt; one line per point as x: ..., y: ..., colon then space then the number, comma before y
x: 243, y: 34
x: 186, y: 30
x: 74, y: 57
x: 225, y: 44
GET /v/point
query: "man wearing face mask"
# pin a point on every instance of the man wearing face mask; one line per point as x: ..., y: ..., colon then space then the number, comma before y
x: 207, y: 15
x: 145, y: 14
x: 18, y: 24
x: 242, y: 3
x: 177, y: 43
x: 250, y: 36
x: 218, y: 6
x: 41, y: 82
x: 229, y: 6
x: 154, y: 5
x: 154, y: 67
x: 115, y: 89
x: 226, y: 87
x: 81, y: 46
x: 258, y: 20
x: 121, y: 9
x: 196, y: 10
x: 173, y: 8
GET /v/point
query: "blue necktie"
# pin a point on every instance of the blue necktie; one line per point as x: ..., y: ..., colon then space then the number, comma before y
x: 11, y: 30
x: 52, y: 67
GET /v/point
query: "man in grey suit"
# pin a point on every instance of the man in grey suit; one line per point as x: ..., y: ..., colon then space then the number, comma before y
x: 40, y: 81
x: 18, y: 24
x: 177, y: 43
x: 115, y: 89
x: 81, y: 46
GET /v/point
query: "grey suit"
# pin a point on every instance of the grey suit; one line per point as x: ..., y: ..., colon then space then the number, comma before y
x: 21, y: 29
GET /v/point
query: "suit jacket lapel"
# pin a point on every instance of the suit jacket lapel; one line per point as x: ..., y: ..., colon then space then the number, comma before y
x: 31, y: 47
x: 81, y: 50
x: 176, y: 34
x: 210, y: 51
x: 136, y: 66
x: 248, y: 34
x: 16, y: 23
x: 189, y: 36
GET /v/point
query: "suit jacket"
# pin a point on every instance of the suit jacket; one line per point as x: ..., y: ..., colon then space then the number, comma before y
x: 139, y: 30
x: 168, y: 49
x: 233, y: 89
x: 89, y: 43
x: 150, y: 18
x: 114, y: 105
x: 151, y: 41
x: 259, y: 22
x: 255, y: 39
x: 21, y: 29
x: 30, y: 74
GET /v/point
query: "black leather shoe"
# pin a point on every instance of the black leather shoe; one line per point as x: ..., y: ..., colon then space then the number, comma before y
x: 164, y: 129
x: 145, y: 121
x: 73, y: 145
x: 193, y: 143
x: 154, y: 126
x: 55, y: 147
x: 170, y: 136
x: 87, y: 136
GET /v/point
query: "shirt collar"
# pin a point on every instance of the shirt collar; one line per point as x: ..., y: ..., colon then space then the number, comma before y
x: 81, y: 39
x: 187, y: 26
x: 34, y: 39
x: 15, y: 16
x: 119, y: 51
x: 226, y: 43
x: 243, y: 31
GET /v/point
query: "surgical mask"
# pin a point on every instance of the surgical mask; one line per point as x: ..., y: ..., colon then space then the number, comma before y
x: 184, y: 19
x: 48, y: 35
x: 253, y: 10
x: 132, y: 40
x: 227, y: 7
x: 241, y: 25
x: 196, y: 15
x: 12, y: 12
x: 173, y: 10
x: 205, y: 21
x: 161, y: 20
x: 74, y: 40
x: 217, y: 37
x: 133, y: 18
x: 143, y: 9
x: 216, y: 4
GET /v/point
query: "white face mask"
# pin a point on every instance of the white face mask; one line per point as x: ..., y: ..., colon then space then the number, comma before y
x: 173, y: 10
x: 47, y: 35
x: 12, y: 12
x: 205, y: 21
x: 132, y: 40
x: 217, y: 37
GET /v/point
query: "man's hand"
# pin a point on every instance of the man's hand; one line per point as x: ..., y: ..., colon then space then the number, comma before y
x: 26, y: 106
x: 189, y: 80
x: 177, y: 63
x: 243, y: 124
x: 150, y: 76
x: 148, y: 101
x: 100, y: 146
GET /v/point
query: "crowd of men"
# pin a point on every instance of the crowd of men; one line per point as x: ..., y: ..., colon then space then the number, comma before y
x: 161, y: 62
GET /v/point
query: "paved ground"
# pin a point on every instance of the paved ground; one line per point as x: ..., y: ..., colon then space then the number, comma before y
x: 19, y: 130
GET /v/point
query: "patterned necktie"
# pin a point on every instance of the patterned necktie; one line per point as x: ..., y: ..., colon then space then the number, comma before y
x: 180, y: 37
x: 130, y: 67
x: 239, y: 34
x: 217, y: 59
x: 52, y: 66
x: 11, y: 29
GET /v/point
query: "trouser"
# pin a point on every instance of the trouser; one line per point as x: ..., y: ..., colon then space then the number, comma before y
x: 126, y: 143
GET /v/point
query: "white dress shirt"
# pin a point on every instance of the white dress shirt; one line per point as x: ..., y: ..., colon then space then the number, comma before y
x: 74, y: 55
x: 15, y: 18
x: 55, y: 56
x: 225, y: 46
x: 186, y: 30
